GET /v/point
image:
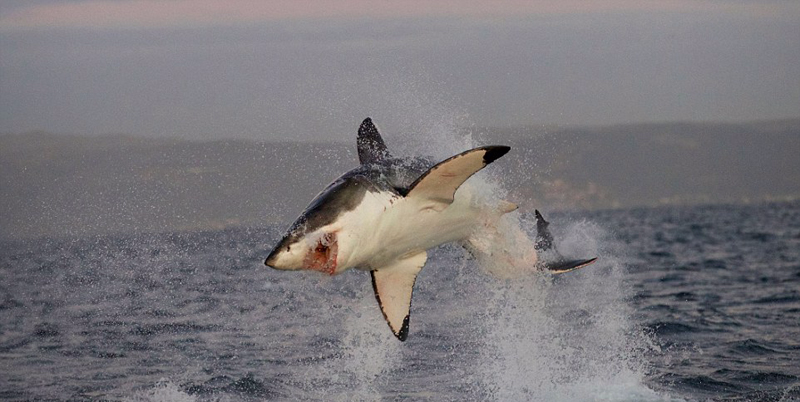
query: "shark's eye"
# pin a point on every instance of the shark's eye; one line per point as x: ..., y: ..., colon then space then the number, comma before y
x: 288, y: 248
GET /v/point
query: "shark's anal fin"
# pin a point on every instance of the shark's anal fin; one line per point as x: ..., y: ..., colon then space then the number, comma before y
x: 371, y: 147
x: 440, y: 182
x: 393, y: 286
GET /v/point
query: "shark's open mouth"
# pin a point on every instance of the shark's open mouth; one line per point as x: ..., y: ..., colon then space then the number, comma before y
x: 323, y: 256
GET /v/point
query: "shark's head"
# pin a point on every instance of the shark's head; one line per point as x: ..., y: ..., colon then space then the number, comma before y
x: 312, y: 242
x: 316, y: 251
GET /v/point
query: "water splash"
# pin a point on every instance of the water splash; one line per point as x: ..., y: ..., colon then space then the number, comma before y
x: 162, y: 391
x: 367, y: 352
x: 569, y: 337
x: 546, y: 339
x: 370, y: 350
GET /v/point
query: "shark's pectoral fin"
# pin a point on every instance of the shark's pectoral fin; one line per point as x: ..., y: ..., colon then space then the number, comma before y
x: 440, y: 182
x: 393, y: 286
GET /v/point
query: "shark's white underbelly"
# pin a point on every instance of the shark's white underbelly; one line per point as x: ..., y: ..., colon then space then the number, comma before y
x: 393, y: 227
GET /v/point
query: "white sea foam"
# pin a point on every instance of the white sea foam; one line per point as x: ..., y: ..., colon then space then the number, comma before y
x: 568, y: 338
x: 368, y: 352
x: 163, y: 391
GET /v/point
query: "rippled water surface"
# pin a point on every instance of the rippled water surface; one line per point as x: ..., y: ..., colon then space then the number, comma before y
x: 692, y: 303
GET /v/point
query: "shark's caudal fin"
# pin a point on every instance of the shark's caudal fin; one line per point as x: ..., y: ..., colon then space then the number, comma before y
x: 544, y: 239
x: 549, y: 257
x: 371, y: 147
x: 393, y: 286
x: 563, y: 266
x: 440, y: 182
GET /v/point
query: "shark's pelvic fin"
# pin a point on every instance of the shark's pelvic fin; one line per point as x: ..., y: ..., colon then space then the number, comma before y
x: 393, y: 286
x: 440, y: 182
x: 504, y: 207
x: 371, y: 147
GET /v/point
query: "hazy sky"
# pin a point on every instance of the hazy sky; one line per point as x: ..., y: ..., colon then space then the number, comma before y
x: 312, y: 69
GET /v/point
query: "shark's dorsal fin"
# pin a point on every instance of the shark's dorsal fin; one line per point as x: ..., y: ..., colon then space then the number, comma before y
x: 393, y: 286
x: 440, y: 182
x: 371, y: 147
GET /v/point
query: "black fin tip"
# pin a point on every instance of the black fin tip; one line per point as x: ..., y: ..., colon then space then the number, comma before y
x: 495, y: 152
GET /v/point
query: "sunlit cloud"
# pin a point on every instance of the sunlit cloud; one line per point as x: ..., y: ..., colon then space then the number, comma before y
x: 181, y: 13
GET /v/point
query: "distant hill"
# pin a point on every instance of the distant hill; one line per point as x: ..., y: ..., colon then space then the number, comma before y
x: 76, y: 186
x: 656, y: 164
x: 58, y: 185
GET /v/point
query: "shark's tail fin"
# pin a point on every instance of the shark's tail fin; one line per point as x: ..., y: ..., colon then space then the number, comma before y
x: 544, y: 239
x: 548, y: 256
x: 506, y: 250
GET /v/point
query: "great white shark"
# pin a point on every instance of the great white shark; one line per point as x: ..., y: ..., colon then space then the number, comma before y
x: 384, y: 215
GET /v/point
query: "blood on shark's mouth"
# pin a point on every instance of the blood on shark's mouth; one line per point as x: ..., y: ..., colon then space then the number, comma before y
x: 323, y: 256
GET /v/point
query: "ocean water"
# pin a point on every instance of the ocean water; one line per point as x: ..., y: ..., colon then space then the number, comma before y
x: 685, y: 304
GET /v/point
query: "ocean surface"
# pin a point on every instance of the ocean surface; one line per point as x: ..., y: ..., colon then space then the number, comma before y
x: 685, y: 304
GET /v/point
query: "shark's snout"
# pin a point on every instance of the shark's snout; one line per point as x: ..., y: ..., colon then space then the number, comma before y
x: 286, y: 256
x: 272, y: 259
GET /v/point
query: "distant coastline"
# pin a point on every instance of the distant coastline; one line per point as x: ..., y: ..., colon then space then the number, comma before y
x: 71, y: 185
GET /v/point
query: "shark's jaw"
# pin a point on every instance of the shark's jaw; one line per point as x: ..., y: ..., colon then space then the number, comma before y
x: 317, y: 254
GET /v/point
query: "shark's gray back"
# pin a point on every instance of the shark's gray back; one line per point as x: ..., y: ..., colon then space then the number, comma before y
x: 378, y: 171
x: 392, y: 175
